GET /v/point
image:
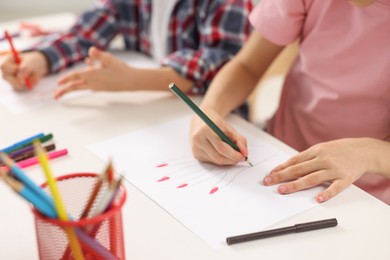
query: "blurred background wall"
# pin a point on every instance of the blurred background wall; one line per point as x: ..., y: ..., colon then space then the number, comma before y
x: 18, y: 9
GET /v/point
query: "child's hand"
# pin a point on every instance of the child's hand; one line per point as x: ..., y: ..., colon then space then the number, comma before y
x: 33, y: 67
x: 207, y: 146
x: 340, y: 162
x: 104, y: 73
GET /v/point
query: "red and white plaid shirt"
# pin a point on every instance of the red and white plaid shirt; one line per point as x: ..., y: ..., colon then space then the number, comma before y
x: 203, y: 35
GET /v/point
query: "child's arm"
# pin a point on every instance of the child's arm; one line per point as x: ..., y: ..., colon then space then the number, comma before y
x: 340, y: 162
x: 95, y: 27
x: 108, y: 73
x: 218, y: 32
x: 230, y: 88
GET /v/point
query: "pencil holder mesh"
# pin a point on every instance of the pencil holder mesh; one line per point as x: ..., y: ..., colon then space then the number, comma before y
x: 105, y: 229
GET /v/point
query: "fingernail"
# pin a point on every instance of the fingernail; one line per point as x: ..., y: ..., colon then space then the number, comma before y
x: 282, y: 189
x: 268, y: 179
x: 321, y: 198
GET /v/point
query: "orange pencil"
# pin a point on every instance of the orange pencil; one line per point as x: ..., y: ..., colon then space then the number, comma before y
x: 96, y: 189
x: 16, y: 57
x: 110, y: 172
x: 95, y: 192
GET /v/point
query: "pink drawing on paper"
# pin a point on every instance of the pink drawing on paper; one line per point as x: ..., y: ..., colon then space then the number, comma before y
x: 187, y: 172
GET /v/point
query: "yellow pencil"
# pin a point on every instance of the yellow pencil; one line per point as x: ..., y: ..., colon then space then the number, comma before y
x: 74, y: 243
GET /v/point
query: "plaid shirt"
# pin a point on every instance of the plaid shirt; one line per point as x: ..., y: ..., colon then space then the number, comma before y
x: 203, y: 35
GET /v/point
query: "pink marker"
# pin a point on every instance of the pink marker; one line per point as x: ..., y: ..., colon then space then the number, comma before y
x: 34, y: 160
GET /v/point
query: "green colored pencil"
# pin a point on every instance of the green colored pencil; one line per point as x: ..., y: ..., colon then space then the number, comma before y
x: 41, y: 139
x: 206, y: 119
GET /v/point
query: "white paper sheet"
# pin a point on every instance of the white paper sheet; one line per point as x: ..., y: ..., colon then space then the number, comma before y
x: 213, y: 202
x: 43, y: 93
x: 54, y: 23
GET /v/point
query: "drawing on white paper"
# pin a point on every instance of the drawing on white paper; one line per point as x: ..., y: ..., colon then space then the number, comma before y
x: 186, y: 173
x: 43, y: 92
x: 213, y: 202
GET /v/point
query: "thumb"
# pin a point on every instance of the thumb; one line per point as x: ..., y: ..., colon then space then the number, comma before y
x: 24, y: 72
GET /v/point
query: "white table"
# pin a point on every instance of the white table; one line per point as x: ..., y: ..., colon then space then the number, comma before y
x: 150, y: 232
x: 52, y: 22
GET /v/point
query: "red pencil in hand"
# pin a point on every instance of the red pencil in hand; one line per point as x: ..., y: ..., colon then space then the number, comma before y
x: 16, y: 57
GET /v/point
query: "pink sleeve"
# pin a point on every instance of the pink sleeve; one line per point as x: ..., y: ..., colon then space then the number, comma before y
x: 279, y: 21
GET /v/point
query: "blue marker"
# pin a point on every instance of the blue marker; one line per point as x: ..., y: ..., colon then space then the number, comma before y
x: 22, y: 143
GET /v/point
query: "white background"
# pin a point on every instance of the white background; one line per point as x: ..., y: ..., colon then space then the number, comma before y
x: 17, y: 9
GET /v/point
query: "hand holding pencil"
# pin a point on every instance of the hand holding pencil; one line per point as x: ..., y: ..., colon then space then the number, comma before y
x: 214, y: 140
x: 207, y: 147
x: 23, y: 70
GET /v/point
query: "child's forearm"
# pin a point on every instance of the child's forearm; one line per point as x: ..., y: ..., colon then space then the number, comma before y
x: 159, y: 79
x: 238, y: 78
x: 382, y: 158
x: 229, y: 89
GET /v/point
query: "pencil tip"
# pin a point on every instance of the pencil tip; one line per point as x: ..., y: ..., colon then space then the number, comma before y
x: 249, y: 162
x: 2, y: 172
x: 6, y: 159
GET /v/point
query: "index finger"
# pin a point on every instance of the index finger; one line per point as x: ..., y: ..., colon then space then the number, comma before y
x: 296, y: 159
x: 224, y: 149
x: 9, y: 67
x: 72, y: 76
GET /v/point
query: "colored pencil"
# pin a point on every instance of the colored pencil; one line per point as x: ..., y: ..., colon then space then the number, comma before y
x: 107, y: 198
x: 21, y: 151
x: 33, y: 161
x: 94, y: 246
x: 60, y: 208
x: 49, y: 211
x: 21, y: 176
x: 105, y: 204
x: 44, y: 203
x: 206, y: 119
x: 28, y: 152
x: 12, y: 35
x: 29, y: 195
x: 96, y: 189
x: 16, y: 57
x: 42, y: 139
x: 21, y: 143
x: 110, y: 172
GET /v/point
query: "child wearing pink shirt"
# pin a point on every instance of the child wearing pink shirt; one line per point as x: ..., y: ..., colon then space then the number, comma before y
x: 335, y: 103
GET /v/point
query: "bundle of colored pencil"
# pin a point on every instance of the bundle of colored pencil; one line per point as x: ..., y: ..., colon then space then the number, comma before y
x: 80, y: 240
x: 23, y: 154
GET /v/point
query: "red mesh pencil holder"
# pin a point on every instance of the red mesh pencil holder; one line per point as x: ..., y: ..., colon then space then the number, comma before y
x: 104, y: 232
